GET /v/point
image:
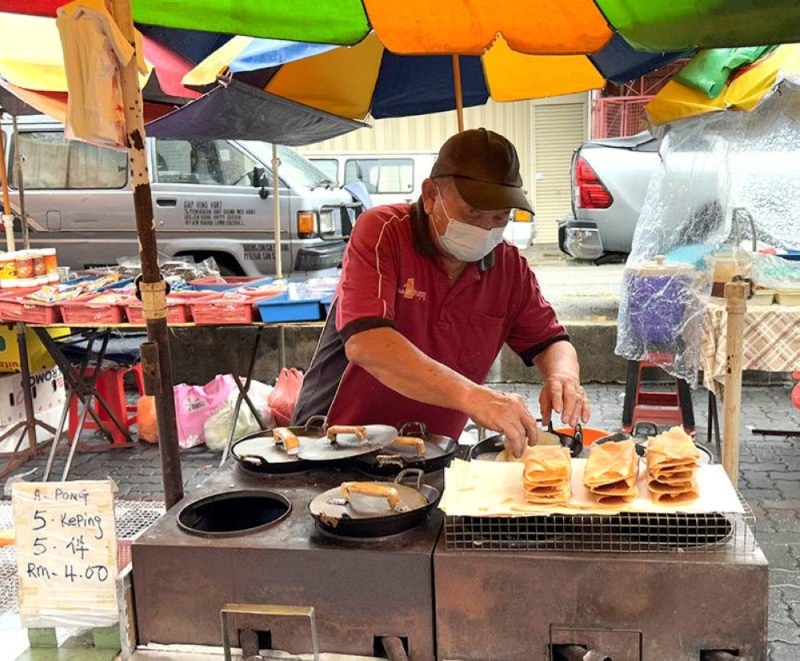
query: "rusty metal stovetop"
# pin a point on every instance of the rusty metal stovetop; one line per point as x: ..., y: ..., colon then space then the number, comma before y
x: 361, y: 589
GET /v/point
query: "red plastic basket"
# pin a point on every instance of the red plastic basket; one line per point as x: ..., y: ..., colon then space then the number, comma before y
x: 20, y: 308
x: 223, y: 309
x: 82, y: 311
x: 178, y: 309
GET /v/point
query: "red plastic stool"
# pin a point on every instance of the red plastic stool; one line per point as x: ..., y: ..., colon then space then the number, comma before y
x: 669, y: 405
x: 111, y: 387
x: 796, y: 390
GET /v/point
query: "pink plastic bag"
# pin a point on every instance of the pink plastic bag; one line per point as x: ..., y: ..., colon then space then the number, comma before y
x: 196, y: 404
x: 283, y: 397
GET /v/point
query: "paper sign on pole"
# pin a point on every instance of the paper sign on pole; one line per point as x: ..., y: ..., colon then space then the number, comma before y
x: 66, y: 553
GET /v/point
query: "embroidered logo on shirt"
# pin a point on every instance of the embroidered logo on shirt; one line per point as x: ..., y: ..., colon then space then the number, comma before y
x: 408, y: 291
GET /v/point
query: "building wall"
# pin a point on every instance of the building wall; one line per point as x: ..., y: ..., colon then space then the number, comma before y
x: 565, y: 124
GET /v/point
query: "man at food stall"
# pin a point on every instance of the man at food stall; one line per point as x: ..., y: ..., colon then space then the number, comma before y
x: 429, y: 294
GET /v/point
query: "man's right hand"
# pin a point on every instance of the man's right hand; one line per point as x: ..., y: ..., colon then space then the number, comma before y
x: 505, y: 413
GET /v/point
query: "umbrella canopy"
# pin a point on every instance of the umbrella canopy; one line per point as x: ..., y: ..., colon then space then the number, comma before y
x: 416, y: 26
x: 743, y: 90
x: 31, y: 57
x: 241, y: 112
x: 369, y: 79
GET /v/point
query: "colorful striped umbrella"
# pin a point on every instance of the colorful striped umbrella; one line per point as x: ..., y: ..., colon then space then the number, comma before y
x: 368, y: 79
x: 743, y: 91
x: 470, y: 26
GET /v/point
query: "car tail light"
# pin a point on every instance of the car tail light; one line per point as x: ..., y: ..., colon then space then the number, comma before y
x: 590, y: 191
x: 306, y: 224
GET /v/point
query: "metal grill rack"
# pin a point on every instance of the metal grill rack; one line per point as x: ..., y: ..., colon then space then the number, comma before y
x: 626, y: 532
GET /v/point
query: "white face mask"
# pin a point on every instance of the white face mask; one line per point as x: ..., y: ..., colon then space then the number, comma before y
x: 467, y: 242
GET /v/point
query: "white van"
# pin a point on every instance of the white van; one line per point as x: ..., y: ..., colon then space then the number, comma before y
x: 211, y: 198
x: 392, y: 177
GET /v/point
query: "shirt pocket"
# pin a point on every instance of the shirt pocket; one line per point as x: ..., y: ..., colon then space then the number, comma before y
x: 481, y: 342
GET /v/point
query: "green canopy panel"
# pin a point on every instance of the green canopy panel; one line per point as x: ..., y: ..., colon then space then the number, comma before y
x: 680, y: 24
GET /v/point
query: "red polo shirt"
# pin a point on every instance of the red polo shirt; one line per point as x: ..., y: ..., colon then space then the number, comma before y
x: 392, y: 276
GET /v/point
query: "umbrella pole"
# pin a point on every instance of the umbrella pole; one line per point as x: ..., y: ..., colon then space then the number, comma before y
x: 459, y: 94
x: 8, y: 218
x: 156, y: 357
x: 276, y: 212
x: 736, y: 305
x: 26, y: 242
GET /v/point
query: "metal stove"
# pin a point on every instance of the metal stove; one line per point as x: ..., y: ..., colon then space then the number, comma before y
x: 623, y: 588
x: 361, y: 590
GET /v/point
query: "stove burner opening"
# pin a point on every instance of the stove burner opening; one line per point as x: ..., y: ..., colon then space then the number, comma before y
x: 233, y: 513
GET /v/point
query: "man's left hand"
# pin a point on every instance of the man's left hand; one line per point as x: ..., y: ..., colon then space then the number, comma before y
x: 564, y: 394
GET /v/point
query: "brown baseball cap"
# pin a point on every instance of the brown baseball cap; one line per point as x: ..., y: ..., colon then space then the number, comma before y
x: 485, y: 169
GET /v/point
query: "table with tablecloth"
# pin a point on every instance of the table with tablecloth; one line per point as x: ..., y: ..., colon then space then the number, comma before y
x: 771, y: 341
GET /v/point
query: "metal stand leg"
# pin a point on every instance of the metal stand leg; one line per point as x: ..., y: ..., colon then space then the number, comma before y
x: 243, y: 396
x: 713, y: 421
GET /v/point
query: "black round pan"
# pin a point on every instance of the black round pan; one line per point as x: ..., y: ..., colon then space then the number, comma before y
x: 489, y: 448
x: 394, y: 458
x: 339, y: 520
x: 258, y: 452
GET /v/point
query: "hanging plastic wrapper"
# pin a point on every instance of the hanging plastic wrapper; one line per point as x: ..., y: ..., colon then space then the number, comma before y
x: 727, y: 186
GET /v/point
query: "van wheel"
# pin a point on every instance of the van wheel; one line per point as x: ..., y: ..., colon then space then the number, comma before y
x: 226, y: 263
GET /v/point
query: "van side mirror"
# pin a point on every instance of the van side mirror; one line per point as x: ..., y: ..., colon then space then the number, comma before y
x: 261, y: 181
x: 259, y: 177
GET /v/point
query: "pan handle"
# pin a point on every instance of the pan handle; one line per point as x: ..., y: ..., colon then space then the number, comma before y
x: 359, y: 430
x: 371, y: 489
x: 287, y: 439
x: 413, y: 473
x: 316, y: 423
x: 414, y: 429
x: 252, y: 460
x: 410, y: 441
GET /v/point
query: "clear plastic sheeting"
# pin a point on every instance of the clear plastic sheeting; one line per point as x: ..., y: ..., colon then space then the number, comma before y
x: 728, y: 182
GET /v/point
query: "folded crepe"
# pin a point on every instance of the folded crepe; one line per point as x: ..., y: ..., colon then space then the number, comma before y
x: 672, y: 463
x: 611, y: 472
x: 546, y: 475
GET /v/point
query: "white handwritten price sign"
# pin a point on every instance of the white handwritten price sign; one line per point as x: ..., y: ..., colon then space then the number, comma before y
x: 66, y: 553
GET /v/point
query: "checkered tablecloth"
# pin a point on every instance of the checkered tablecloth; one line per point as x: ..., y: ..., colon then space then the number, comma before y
x: 771, y: 341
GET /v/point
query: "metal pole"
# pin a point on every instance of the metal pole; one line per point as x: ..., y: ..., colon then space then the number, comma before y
x: 26, y: 242
x: 459, y: 95
x: 156, y: 357
x: 8, y: 217
x: 736, y: 304
x: 276, y: 212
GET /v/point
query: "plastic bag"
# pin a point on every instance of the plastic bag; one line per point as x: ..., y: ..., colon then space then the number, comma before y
x: 146, y: 419
x: 283, y: 398
x: 217, y: 428
x: 259, y: 394
x: 196, y: 404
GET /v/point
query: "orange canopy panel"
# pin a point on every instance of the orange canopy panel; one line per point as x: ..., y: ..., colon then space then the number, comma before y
x: 545, y: 27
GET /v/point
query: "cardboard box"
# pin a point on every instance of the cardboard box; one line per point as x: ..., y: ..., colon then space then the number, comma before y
x: 47, y: 388
x: 38, y: 358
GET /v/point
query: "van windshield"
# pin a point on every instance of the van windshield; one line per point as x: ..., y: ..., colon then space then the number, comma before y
x: 297, y: 170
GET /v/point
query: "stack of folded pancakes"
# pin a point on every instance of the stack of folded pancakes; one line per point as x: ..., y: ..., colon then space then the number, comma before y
x: 611, y: 472
x: 672, y: 463
x: 546, y: 475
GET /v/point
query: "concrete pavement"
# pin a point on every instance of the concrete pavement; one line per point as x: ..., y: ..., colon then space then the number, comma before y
x: 769, y: 470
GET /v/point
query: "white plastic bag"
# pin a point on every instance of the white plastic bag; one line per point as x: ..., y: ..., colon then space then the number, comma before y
x: 217, y: 428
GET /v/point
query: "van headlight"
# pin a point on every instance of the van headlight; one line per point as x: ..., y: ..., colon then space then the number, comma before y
x: 326, y: 222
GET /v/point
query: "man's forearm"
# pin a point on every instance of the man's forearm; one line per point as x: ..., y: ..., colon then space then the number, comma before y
x: 559, y: 358
x: 399, y: 365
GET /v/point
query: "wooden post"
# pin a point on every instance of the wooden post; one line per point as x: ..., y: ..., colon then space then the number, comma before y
x: 156, y: 358
x: 459, y: 92
x: 736, y: 304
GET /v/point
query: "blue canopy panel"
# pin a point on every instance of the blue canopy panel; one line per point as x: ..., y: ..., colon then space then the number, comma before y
x: 241, y: 112
x: 619, y: 62
x: 421, y: 84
